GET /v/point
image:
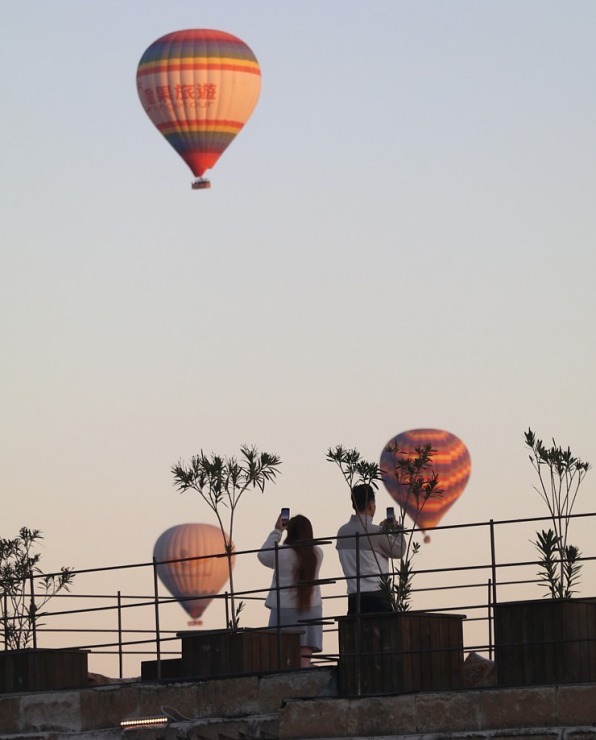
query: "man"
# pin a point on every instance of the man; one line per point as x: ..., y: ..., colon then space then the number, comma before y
x: 375, y: 547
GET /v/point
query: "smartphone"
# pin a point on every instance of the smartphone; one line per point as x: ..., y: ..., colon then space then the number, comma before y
x: 390, y: 514
x: 285, y: 516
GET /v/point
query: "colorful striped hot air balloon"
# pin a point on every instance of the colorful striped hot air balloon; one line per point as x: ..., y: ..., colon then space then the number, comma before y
x: 451, y: 463
x: 199, y: 87
x: 193, y: 582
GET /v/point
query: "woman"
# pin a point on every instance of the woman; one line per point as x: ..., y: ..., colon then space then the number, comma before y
x: 298, y: 565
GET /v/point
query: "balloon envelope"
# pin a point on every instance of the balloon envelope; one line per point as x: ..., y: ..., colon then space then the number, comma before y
x: 193, y: 582
x: 451, y: 463
x: 199, y: 87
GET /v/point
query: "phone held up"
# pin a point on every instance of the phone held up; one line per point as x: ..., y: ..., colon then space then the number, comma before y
x: 285, y: 516
x: 390, y: 517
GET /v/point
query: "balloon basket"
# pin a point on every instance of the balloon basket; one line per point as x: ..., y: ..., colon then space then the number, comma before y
x: 195, y: 622
x: 201, y: 184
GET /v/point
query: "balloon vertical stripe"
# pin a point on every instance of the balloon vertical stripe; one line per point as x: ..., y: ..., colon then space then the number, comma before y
x: 192, y: 583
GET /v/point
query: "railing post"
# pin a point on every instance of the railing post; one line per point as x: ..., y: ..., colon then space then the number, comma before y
x: 490, y: 619
x: 493, y: 561
x: 120, y: 657
x: 226, y: 601
x: 156, y: 596
x: 358, y: 621
x: 32, y: 611
x: 33, y: 621
x: 277, y: 604
x: 5, y: 619
x: 493, y: 591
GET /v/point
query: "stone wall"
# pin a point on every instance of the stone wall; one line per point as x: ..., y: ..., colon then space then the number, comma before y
x: 301, y: 705
x: 477, y: 712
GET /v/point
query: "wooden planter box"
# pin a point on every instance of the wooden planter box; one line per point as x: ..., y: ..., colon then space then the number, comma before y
x: 169, y: 668
x: 546, y: 641
x: 398, y: 652
x: 43, y: 669
x: 210, y: 653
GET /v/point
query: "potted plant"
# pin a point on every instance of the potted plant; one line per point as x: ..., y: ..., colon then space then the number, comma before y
x: 550, y: 640
x: 221, y: 482
x: 24, y: 591
x: 400, y: 650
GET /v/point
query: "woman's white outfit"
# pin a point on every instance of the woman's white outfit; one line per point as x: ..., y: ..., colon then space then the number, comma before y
x: 288, y: 614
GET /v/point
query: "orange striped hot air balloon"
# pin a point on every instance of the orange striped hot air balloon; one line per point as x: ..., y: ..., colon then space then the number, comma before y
x: 199, y: 87
x: 451, y: 463
x: 193, y: 583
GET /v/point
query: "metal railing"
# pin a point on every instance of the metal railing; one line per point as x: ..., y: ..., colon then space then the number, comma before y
x: 120, y: 629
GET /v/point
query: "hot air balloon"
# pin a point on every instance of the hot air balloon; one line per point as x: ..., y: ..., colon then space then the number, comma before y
x: 193, y: 582
x: 451, y: 463
x: 199, y: 87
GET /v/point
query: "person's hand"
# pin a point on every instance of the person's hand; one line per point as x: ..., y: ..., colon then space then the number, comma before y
x: 392, y: 526
x: 280, y: 525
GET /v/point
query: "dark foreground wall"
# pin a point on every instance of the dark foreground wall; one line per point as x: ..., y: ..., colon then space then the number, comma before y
x: 301, y: 705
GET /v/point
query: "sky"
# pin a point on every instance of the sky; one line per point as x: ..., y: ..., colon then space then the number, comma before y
x: 402, y: 236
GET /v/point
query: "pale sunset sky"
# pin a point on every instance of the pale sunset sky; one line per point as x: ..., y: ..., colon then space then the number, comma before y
x: 402, y: 236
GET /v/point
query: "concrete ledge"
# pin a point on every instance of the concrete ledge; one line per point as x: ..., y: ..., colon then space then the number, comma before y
x: 475, y: 713
x: 453, y: 711
x: 522, y: 707
x: 576, y: 704
x: 544, y: 733
x: 50, y: 711
x: 104, y: 707
x: 304, y: 705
